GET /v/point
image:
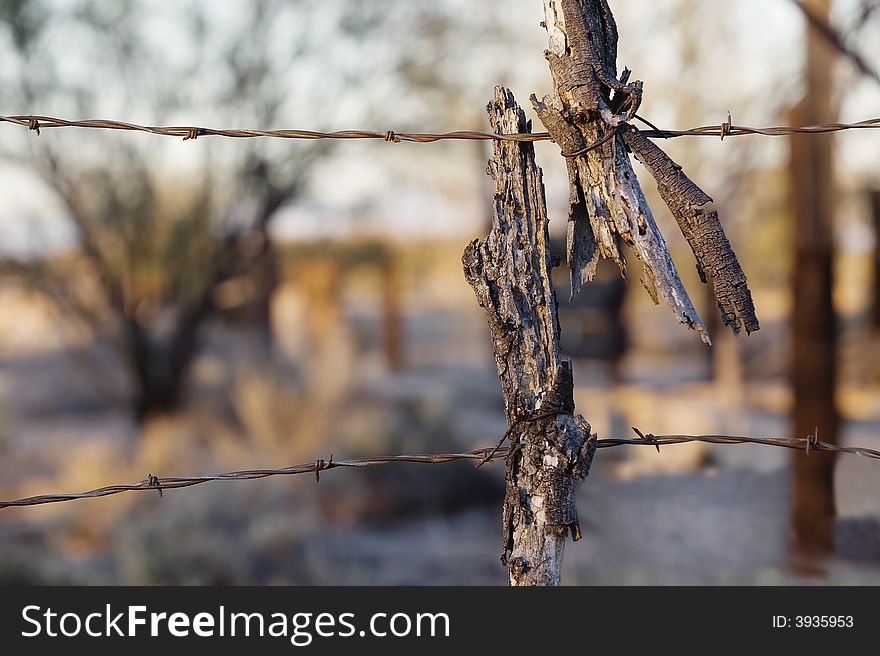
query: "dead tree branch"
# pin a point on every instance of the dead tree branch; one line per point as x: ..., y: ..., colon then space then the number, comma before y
x: 821, y: 25
x: 593, y: 106
x: 699, y: 224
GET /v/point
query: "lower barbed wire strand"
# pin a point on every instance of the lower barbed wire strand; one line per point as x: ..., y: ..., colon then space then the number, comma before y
x: 484, y: 454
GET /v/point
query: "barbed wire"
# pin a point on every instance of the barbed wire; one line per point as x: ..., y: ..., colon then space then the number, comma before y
x: 152, y: 482
x: 160, y: 483
x: 722, y: 130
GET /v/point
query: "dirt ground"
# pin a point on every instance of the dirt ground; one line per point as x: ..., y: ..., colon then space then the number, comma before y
x: 692, y: 514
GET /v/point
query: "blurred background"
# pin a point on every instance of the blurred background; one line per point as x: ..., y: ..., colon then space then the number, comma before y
x: 180, y: 308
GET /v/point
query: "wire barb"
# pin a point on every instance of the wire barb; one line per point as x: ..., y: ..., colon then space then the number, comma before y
x: 726, y: 126
x: 812, y: 440
x: 320, y: 464
x: 649, y: 438
x: 153, y: 481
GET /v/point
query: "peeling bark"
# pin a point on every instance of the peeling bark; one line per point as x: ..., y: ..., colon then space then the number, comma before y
x: 587, y: 117
x: 551, y: 448
x: 699, y: 224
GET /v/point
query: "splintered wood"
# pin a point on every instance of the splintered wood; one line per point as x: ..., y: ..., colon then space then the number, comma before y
x: 592, y: 107
x: 551, y: 447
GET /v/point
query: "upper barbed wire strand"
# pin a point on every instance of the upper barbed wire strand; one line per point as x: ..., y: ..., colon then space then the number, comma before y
x: 725, y: 129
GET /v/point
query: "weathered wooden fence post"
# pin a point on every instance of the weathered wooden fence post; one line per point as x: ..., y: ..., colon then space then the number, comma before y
x: 875, y: 296
x: 551, y: 448
x: 588, y: 117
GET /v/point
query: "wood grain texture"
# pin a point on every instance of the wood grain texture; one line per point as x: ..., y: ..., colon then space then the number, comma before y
x: 699, y: 224
x: 591, y: 105
x: 509, y: 271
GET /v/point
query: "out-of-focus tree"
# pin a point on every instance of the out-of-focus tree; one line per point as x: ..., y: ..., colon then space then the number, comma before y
x: 171, y: 235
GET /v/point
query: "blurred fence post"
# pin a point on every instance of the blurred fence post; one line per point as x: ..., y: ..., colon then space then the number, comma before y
x: 814, y: 342
x: 393, y: 342
x: 875, y: 297
x: 551, y: 448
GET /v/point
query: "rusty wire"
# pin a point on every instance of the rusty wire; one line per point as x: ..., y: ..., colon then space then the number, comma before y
x: 724, y: 129
x: 159, y: 483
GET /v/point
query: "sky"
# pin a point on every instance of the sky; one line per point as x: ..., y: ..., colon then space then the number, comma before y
x: 699, y: 59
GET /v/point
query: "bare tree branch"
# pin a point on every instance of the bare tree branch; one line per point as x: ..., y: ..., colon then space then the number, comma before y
x: 832, y: 36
